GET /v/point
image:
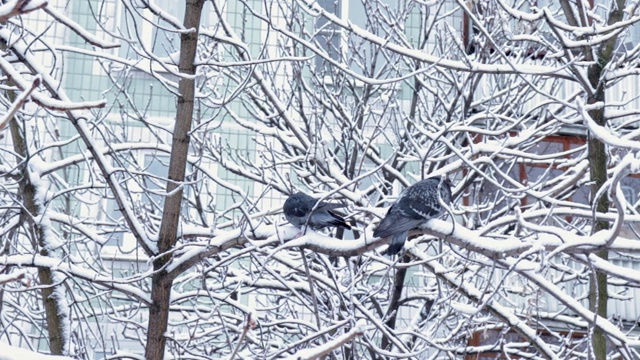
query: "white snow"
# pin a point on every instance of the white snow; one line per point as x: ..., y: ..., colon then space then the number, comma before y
x: 14, y: 276
x: 615, y: 334
x: 496, y: 308
x: 603, y: 134
x: 75, y: 27
x: 24, y: 84
x: 9, y: 352
x: 326, y: 348
x: 15, y: 8
x: 120, y: 284
x: 467, y: 309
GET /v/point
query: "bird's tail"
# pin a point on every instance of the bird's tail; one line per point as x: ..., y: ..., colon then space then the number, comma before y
x: 397, y: 242
x: 339, y: 221
x: 386, y: 226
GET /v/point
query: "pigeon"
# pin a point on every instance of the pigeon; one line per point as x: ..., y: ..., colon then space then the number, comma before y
x: 415, y: 205
x: 299, y: 211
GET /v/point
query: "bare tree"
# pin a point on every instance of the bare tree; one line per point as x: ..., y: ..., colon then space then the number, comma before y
x: 149, y: 223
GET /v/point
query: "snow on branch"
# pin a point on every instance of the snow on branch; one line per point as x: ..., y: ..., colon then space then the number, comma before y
x: 79, y: 30
x: 41, y: 99
x: 166, y: 16
x: 133, y: 63
x: 326, y: 348
x: 79, y: 272
x: 557, y: 240
x: 556, y: 211
x: 476, y: 295
x: 467, y: 239
x: 79, y: 118
x: 617, y: 336
x: 620, y: 272
x: 315, y: 9
x: 19, y: 101
x: 549, y: 238
x: 14, y: 276
x: 590, y: 36
x: 471, y: 240
x: 602, y: 133
x: 56, y: 165
x: 19, y: 7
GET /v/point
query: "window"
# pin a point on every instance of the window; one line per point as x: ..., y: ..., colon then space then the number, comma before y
x: 39, y: 25
x: 376, y: 16
x: 546, y: 173
x: 146, y: 194
x: 145, y: 181
x: 328, y: 36
x: 152, y: 31
x: 492, y: 200
x: 159, y: 36
x: 600, y: 10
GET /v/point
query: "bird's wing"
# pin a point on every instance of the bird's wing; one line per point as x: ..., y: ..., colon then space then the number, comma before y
x: 422, y: 211
x: 327, y: 218
x: 396, y: 222
x: 414, y: 206
x: 326, y: 206
x: 420, y: 203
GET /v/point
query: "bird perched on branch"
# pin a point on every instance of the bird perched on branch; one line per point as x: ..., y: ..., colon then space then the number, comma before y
x: 301, y: 210
x: 415, y: 205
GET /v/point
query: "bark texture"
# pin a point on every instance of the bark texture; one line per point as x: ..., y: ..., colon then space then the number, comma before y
x: 598, y: 292
x: 161, y: 280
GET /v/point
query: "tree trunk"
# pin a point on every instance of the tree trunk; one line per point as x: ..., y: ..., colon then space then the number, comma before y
x: 598, y: 292
x: 161, y: 282
x: 54, y: 311
x: 394, y: 302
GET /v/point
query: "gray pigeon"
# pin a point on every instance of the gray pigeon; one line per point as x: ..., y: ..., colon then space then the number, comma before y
x: 298, y: 211
x: 415, y: 205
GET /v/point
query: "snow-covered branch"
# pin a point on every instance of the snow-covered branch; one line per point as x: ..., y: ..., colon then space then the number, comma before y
x: 79, y: 30
x: 42, y: 99
x: 14, y: 8
x: 324, y: 350
x: 14, y: 276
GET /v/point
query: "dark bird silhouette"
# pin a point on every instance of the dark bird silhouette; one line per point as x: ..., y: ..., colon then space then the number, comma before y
x: 301, y: 210
x: 415, y: 205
